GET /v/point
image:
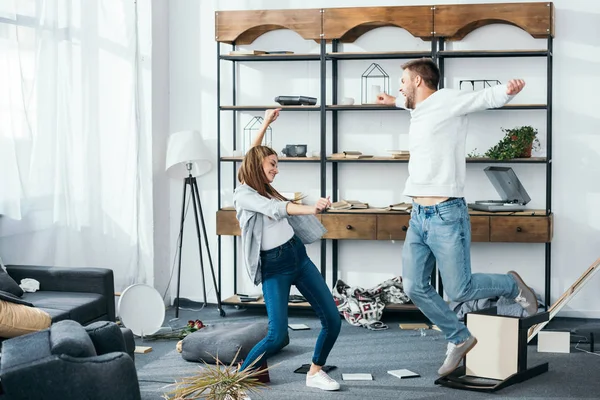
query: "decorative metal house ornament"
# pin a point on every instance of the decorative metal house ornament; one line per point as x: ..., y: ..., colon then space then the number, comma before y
x: 478, y: 84
x: 251, y: 130
x: 373, y: 81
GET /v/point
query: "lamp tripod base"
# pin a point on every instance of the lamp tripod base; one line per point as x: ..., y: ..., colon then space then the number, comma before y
x: 199, y: 220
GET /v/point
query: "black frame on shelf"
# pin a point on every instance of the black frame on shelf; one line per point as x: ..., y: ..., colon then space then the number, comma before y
x: 438, y: 54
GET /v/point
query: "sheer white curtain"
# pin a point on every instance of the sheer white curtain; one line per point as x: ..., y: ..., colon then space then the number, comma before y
x: 70, y: 159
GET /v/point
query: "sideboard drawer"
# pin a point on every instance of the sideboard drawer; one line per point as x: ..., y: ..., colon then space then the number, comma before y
x: 480, y: 229
x: 347, y: 226
x: 521, y: 229
x: 392, y: 227
x: 227, y: 223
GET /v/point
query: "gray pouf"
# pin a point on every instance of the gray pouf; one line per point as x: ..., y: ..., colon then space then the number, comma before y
x: 223, y: 340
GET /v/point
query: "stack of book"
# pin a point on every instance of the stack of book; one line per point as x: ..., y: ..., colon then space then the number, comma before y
x: 400, y: 207
x: 350, y: 154
x: 349, y: 205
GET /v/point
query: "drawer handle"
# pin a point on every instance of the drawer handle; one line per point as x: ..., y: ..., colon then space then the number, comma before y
x: 404, y: 228
x: 348, y: 226
x: 519, y: 229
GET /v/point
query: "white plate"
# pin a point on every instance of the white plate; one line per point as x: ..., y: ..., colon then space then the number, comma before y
x: 141, y: 309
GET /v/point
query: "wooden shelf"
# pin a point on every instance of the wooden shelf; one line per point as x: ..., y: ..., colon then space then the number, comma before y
x: 272, y: 57
x: 521, y: 107
x: 235, y: 301
x: 401, y: 307
x: 244, y: 26
x: 362, y: 107
x: 530, y: 160
x: 380, y: 107
x: 281, y: 159
x: 455, y: 21
x: 491, y: 53
x: 377, y: 55
x: 262, y: 108
x: 350, y: 23
x: 480, y: 160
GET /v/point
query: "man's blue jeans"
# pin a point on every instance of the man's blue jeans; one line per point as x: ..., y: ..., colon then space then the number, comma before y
x: 281, y: 268
x: 441, y: 234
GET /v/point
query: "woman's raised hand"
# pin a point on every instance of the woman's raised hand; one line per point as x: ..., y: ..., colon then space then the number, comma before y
x: 271, y: 115
x: 322, y: 204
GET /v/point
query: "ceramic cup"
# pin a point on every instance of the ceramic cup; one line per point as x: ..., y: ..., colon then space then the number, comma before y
x: 347, y: 101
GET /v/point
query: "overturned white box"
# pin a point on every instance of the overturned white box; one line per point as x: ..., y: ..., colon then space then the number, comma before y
x: 499, y: 358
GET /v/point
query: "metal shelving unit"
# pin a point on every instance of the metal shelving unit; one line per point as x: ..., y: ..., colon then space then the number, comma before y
x: 441, y: 55
x: 240, y: 24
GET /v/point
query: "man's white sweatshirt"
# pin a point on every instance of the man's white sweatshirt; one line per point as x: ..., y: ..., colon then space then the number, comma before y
x: 437, y: 135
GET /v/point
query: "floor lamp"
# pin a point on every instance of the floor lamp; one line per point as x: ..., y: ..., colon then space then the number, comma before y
x: 188, y: 158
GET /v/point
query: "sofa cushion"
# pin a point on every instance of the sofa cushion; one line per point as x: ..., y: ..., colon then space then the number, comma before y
x: 56, y: 315
x: 17, y: 319
x: 106, y: 336
x: 70, y: 338
x: 82, y: 307
x: 9, y: 285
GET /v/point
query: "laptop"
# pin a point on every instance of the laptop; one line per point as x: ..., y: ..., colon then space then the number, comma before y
x: 513, y: 196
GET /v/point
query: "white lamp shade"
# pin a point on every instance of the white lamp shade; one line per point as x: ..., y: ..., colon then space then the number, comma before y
x: 187, y: 147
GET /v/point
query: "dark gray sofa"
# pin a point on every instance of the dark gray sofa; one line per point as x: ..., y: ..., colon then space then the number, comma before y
x: 69, y: 362
x: 84, y: 295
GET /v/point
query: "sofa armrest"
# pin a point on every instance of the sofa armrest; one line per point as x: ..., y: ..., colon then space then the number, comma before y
x: 63, y: 279
x: 108, y: 376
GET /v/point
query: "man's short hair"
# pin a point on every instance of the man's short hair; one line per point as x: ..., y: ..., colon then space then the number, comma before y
x: 426, y: 69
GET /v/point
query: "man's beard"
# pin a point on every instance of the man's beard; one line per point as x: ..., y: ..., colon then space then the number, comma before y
x: 409, y: 101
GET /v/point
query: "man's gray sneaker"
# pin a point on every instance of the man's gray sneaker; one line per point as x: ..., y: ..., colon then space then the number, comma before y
x: 526, y: 297
x: 454, y: 354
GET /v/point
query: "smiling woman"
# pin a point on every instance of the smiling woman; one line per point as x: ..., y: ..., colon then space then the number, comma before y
x: 274, y: 232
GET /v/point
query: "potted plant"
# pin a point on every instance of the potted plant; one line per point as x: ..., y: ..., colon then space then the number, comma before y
x: 517, y: 143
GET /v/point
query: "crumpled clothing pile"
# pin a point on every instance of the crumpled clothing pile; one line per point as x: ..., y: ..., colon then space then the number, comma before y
x: 364, y: 308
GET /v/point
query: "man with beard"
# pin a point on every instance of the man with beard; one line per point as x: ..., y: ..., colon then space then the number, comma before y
x: 440, y: 229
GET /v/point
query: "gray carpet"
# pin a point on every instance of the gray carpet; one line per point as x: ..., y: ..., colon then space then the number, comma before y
x: 571, y: 376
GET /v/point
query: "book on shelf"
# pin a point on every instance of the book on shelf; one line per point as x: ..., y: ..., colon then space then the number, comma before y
x: 400, y: 207
x: 399, y: 153
x: 358, y: 156
x: 349, y: 205
x: 352, y: 154
x: 247, y: 52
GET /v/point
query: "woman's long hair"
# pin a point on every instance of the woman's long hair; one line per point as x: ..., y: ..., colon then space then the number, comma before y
x: 252, y: 173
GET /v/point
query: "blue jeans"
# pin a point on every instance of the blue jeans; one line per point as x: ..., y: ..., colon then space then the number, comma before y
x: 281, y: 268
x: 441, y: 234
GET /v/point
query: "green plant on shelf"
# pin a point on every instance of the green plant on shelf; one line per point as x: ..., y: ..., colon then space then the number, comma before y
x: 474, y: 154
x: 517, y: 143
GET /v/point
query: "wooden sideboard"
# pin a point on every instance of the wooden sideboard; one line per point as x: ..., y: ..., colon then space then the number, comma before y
x: 526, y: 227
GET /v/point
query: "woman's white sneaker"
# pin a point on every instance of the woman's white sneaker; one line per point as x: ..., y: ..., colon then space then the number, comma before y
x: 322, y: 381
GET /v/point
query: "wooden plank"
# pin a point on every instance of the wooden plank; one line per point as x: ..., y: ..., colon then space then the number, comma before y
x: 520, y: 229
x: 480, y: 229
x: 363, y: 227
x: 143, y: 349
x: 565, y: 298
x: 244, y: 26
x: 456, y: 21
x: 227, y: 223
x: 348, y: 24
x: 392, y: 226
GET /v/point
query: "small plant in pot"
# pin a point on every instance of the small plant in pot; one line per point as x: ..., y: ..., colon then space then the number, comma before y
x: 517, y: 143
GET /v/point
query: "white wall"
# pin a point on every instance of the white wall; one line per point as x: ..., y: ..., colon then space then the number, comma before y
x: 576, y: 187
